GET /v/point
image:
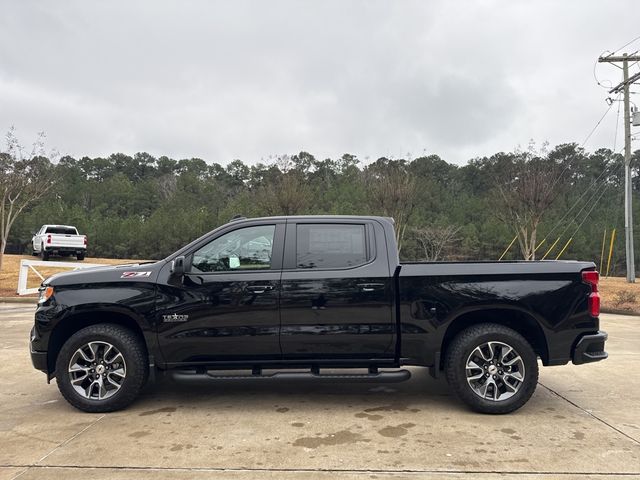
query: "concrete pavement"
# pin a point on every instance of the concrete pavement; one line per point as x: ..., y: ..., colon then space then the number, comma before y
x: 582, y: 422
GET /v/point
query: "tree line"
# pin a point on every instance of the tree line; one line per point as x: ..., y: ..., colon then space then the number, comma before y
x: 145, y: 207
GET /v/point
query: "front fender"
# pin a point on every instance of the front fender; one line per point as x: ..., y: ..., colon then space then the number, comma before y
x: 71, y: 309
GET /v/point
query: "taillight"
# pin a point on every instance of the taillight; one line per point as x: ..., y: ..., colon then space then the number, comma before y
x: 85, y: 241
x: 48, y: 238
x: 592, y: 277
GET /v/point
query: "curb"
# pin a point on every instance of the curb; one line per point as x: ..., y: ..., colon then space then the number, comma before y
x: 18, y: 299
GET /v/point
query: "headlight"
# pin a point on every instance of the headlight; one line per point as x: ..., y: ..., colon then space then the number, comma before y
x: 45, y: 294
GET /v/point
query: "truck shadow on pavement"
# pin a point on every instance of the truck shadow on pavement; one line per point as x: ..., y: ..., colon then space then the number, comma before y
x: 420, y: 392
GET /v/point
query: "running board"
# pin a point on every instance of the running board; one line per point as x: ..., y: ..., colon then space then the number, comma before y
x: 380, y: 377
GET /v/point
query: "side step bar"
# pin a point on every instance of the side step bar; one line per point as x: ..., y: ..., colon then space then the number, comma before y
x: 381, y: 377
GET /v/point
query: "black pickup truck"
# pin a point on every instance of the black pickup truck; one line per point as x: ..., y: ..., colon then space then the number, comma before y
x: 305, y: 297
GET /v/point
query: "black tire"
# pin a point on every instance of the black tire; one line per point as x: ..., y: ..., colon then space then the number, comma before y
x: 80, y: 257
x: 137, y: 369
x: 44, y: 254
x: 460, y: 350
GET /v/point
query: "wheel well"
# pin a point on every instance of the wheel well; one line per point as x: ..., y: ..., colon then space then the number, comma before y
x: 77, y: 322
x: 521, y: 322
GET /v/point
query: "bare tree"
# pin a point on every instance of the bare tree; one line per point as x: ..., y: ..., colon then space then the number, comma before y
x: 288, y: 193
x: 391, y: 191
x: 23, y: 180
x: 435, y: 239
x: 167, y: 186
x: 525, y: 192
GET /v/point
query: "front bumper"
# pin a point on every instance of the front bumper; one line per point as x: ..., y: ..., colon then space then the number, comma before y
x: 38, y: 358
x: 590, y: 348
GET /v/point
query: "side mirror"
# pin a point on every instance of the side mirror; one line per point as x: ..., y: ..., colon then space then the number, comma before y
x: 177, y: 266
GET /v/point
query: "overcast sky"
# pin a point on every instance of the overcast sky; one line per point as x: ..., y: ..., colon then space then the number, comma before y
x: 248, y: 80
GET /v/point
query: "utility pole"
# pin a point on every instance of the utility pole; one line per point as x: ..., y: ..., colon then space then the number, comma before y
x: 628, y: 210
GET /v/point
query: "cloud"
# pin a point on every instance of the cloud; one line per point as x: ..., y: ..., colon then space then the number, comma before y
x: 249, y: 79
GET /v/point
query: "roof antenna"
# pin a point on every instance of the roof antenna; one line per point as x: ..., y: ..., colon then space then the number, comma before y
x: 235, y: 218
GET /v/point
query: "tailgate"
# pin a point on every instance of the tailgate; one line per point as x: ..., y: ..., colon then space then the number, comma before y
x: 67, y: 241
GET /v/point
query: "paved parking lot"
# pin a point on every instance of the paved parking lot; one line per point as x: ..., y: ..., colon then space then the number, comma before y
x: 582, y: 422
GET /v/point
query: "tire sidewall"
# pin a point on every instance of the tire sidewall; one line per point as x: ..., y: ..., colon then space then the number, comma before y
x: 132, y: 383
x: 457, y: 370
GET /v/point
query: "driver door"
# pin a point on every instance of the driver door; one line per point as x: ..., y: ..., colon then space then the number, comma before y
x: 227, y: 306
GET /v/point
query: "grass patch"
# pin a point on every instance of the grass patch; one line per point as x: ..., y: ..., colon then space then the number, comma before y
x: 11, y: 268
x: 617, y: 294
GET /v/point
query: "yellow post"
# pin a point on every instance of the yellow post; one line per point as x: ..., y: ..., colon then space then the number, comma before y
x: 507, y: 249
x: 550, y: 248
x: 604, y: 240
x: 564, y: 248
x: 613, y: 238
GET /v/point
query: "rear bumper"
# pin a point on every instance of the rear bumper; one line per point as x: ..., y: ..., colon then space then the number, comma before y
x: 54, y: 249
x: 590, y: 348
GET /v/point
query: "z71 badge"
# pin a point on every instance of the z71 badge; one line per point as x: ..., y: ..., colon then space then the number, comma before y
x: 135, y: 274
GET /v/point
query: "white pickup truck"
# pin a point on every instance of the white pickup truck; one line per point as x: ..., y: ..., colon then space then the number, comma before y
x: 59, y: 240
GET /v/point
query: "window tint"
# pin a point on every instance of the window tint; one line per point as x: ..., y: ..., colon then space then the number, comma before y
x: 330, y: 246
x: 243, y: 249
x: 62, y: 230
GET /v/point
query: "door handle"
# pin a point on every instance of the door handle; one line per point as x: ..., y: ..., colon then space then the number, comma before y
x: 370, y: 287
x: 259, y: 288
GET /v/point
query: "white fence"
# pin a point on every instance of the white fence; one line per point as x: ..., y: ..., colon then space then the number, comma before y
x: 26, y: 265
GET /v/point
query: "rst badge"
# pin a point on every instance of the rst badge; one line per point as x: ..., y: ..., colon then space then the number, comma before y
x: 135, y: 274
x: 174, y: 318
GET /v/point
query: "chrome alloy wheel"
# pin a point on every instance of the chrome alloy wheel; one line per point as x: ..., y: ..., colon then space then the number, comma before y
x: 97, y: 370
x: 495, y: 371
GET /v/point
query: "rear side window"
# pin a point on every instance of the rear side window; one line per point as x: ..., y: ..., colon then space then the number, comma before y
x: 62, y: 230
x: 330, y: 246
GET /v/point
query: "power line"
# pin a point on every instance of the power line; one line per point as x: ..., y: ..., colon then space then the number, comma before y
x: 626, y: 45
x: 599, y: 122
x: 593, y: 204
x: 575, y: 204
x: 626, y: 83
x: 589, y: 201
x: 585, y: 141
x: 595, y: 77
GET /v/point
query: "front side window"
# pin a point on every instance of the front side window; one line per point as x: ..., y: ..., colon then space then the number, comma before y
x: 247, y: 248
x: 330, y: 246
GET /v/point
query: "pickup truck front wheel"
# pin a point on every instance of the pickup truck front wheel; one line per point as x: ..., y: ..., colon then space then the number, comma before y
x: 492, y: 368
x: 101, y: 368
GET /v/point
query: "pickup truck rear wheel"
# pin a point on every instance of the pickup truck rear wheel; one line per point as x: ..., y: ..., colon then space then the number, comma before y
x: 80, y: 256
x: 44, y: 254
x: 101, y: 368
x: 492, y: 368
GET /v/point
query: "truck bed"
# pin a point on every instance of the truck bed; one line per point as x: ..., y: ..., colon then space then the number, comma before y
x: 542, y: 296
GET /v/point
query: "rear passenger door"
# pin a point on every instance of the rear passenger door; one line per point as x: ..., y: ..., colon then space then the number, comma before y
x: 336, y: 291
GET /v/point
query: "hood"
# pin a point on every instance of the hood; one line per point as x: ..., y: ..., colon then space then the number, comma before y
x: 146, y: 272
